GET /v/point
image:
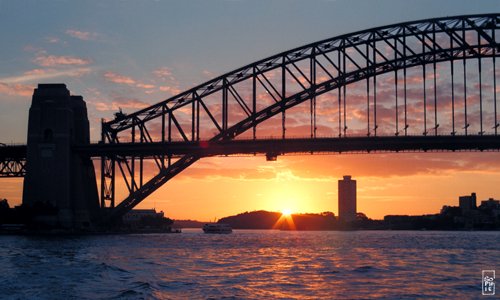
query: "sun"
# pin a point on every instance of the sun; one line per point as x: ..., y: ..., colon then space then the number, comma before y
x: 285, y: 221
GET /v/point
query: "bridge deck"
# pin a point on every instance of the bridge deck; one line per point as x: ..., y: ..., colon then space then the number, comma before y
x: 303, y: 145
x: 13, y: 152
x: 281, y: 146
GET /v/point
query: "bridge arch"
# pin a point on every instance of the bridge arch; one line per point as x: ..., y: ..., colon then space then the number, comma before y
x: 231, y: 104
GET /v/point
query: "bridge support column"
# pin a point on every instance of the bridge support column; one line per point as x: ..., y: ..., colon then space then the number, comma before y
x: 60, y: 186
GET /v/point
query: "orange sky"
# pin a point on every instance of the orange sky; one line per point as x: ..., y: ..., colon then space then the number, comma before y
x: 387, y: 184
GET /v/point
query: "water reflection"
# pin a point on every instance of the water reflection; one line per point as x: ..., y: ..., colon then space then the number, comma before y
x: 249, y: 264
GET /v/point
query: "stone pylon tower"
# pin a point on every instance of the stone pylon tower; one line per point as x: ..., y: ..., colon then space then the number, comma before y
x: 59, y: 185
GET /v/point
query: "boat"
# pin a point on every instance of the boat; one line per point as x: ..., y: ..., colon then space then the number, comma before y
x: 217, y: 228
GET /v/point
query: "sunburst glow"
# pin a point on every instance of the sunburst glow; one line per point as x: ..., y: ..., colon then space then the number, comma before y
x: 286, y: 212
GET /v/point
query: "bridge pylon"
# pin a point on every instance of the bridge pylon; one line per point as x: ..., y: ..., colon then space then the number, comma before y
x: 60, y: 185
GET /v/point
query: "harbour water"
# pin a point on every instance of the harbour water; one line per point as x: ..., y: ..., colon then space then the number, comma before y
x: 250, y: 265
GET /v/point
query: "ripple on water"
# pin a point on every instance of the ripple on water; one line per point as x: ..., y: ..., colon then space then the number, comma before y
x: 175, y: 285
x: 250, y: 265
x: 365, y: 269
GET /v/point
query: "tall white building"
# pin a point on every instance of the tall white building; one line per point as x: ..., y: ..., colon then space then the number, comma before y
x: 347, y: 199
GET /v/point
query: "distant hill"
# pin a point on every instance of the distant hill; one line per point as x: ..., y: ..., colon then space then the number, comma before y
x: 274, y: 220
x: 323, y: 221
x: 260, y: 219
x: 188, y: 224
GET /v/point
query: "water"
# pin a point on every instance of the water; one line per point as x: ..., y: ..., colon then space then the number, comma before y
x: 249, y: 265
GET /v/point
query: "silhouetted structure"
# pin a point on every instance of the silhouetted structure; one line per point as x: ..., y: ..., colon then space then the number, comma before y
x: 146, y: 220
x: 490, y: 204
x: 253, y: 220
x: 308, y: 221
x: 467, y: 203
x: 347, y: 199
x: 60, y: 185
x: 136, y: 215
x: 221, y: 116
x: 465, y: 216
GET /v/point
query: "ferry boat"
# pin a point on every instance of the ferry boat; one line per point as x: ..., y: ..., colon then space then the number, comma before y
x: 217, y: 228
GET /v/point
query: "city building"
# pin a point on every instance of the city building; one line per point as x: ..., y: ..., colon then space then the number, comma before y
x: 136, y: 215
x: 492, y: 207
x: 490, y: 203
x: 467, y: 203
x: 347, y: 199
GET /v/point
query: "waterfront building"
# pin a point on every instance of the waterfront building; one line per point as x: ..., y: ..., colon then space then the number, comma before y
x: 467, y: 203
x: 136, y: 215
x: 347, y: 199
x: 490, y: 203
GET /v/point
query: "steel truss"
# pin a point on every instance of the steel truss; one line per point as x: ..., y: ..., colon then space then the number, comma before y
x: 232, y: 104
x: 13, y: 168
x: 12, y: 160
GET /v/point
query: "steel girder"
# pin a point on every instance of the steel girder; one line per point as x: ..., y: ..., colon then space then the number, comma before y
x: 13, y: 168
x: 12, y: 160
x: 358, y: 144
x: 288, y: 79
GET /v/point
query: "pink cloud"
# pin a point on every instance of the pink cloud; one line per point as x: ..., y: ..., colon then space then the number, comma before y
x: 145, y: 86
x: 122, y: 79
x: 37, y: 75
x: 171, y: 90
x: 53, y: 60
x: 36, y: 72
x: 31, y: 48
x: 127, y: 103
x: 16, y: 89
x: 53, y: 40
x: 208, y: 74
x: 164, y: 73
x: 117, y: 78
x: 82, y: 35
x: 101, y: 106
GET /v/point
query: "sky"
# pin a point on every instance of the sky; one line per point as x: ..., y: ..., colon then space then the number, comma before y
x: 131, y: 54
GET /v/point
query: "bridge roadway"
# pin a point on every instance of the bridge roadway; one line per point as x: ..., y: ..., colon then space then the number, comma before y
x: 298, y: 145
x: 281, y: 146
x: 12, y: 152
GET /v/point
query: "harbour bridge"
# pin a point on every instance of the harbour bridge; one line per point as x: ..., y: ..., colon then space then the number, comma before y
x: 428, y: 85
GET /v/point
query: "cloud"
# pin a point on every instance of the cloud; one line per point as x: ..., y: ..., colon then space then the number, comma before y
x: 16, y: 89
x: 119, y: 102
x: 82, y: 35
x: 122, y: 79
x: 52, y: 40
x: 145, y: 86
x: 23, y: 85
x: 164, y: 73
x: 394, y: 165
x: 208, y: 74
x: 31, y: 48
x: 53, y: 60
x: 169, y: 89
x: 117, y: 78
x: 37, y: 75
